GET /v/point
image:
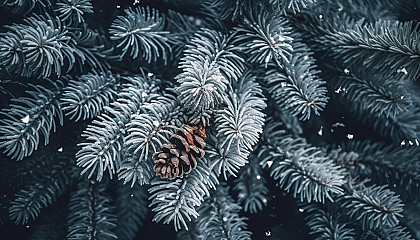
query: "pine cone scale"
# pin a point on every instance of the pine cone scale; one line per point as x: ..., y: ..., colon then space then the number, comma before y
x: 179, y: 157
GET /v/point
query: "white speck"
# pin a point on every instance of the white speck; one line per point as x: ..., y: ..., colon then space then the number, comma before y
x: 27, y: 226
x: 395, y: 185
x: 338, y: 124
x: 410, y: 142
x: 144, y: 94
x: 403, y: 70
x: 25, y: 119
x: 320, y: 16
x: 338, y: 90
x: 320, y: 131
x: 403, y: 143
x: 225, y: 219
x: 156, y: 123
x: 283, y: 84
x: 340, y: 9
x: 268, y: 233
x: 417, y: 142
x: 301, y: 210
x: 350, y: 136
x: 132, y: 195
x: 402, y: 97
x: 264, y: 200
x: 118, y: 6
x: 269, y: 163
x: 150, y: 74
x: 60, y: 149
x: 136, y: 2
x: 161, y: 198
x: 305, y: 58
x: 346, y: 71
x: 258, y: 177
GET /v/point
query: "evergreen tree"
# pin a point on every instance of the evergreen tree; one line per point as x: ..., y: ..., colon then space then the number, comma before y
x: 210, y: 116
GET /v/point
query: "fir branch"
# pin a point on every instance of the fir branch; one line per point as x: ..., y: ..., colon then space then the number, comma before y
x: 104, y: 146
x: 146, y: 132
x: 91, y: 48
x: 28, y: 117
x: 215, y: 47
x: 388, y: 47
x: 202, y: 86
x: 398, y: 232
x: 87, y: 96
x: 292, y: 5
x: 251, y: 187
x: 140, y: 34
x: 72, y: 11
x: 219, y: 217
x: 326, y: 226
x: 232, y: 9
x: 177, y: 200
x: 295, y: 87
x: 380, y: 95
x: 131, y: 210
x: 37, y: 48
x: 399, y: 167
x: 299, y: 167
x: 265, y: 37
x: 30, y: 200
x: 90, y: 213
x: 375, y: 207
x: 240, y: 123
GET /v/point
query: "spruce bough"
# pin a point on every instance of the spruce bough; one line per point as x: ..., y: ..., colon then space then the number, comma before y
x: 201, y: 113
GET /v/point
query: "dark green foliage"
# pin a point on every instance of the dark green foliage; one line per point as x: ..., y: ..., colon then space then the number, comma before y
x: 251, y: 187
x: 29, y: 117
x: 220, y: 217
x: 325, y: 226
x: 140, y: 34
x: 72, y: 11
x: 88, y: 95
x: 131, y: 210
x: 91, y: 215
x: 310, y: 111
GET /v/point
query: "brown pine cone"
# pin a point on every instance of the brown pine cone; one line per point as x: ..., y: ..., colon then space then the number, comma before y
x: 180, y: 156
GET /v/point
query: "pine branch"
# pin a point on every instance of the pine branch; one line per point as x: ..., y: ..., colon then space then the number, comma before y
x: 382, y: 96
x: 240, y: 123
x: 292, y: 5
x: 37, y: 48
x: 295, y: 87
x: 396, y: 166
x: 375, y: 207
x: 72, y: 11
x: 326, y: 226
x: 30, y: 200
x: 219, y: 217
x: 92, y: 49
x: 215, y: 47
x: 251, y: 187
x: 388, y: 47
x: 90, y: 213
x: 202, y: 86
x: 87, y: 96
x: 131, y: 209
x: 28, y: 117
x: 176, y: 200
x: 104, y: 146
x: 397, y: 232
x: 299, y: 167
x: 146, y: 132
x: 265, y: 37
x: 140, y: 34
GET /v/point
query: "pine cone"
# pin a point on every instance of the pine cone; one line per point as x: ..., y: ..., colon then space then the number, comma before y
x: 180, y: 156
